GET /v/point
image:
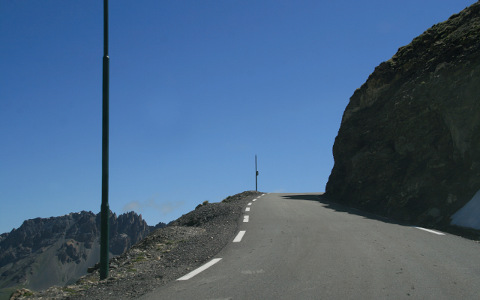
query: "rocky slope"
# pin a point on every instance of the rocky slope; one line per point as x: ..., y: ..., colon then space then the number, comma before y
x: 164, y: 255
x: 58, y: 250
x: 409, y: 138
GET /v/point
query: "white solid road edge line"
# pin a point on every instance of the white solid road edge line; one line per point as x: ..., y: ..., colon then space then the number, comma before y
x: 201, y: 269
x: 239, y: 236
x: 429, y: 230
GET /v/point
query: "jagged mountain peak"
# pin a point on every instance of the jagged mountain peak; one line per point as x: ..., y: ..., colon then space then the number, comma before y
x: 58, y: 250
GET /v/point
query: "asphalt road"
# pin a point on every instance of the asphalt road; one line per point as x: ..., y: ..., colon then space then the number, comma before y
x: 296, y: 247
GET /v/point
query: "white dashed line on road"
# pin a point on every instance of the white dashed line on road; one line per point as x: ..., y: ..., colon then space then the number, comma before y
x: 201, y: 269
x: 249, y: 203
x: 239, y: 236
x: 429, y: 230
x: 245, y: 219
x: 247, y: 209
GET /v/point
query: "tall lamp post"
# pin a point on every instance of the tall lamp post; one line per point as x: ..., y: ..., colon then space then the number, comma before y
x: 105, y: 210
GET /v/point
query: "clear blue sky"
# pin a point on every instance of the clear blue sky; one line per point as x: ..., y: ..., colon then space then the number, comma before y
x: 197, y: 89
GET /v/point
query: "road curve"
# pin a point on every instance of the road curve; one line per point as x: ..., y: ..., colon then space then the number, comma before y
x: 297, y: 247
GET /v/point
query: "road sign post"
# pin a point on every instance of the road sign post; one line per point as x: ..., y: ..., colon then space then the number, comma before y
x: 256, y: 174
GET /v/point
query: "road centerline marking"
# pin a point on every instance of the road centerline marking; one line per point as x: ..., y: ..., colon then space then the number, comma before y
x: 239, y: 236
x: 429, y: 230
x: 247, y: 209
x: 200, y: 269
x: 246, y: 218
x: 249, y: 203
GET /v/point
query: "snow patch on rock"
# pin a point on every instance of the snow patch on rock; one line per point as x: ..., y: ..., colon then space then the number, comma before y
x: 469, y: 215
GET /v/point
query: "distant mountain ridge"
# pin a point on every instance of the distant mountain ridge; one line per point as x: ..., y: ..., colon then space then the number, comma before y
x: 58, y: 250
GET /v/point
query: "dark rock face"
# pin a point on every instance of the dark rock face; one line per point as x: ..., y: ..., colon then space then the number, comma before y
x: 408, y: 145
x: 58, y: 250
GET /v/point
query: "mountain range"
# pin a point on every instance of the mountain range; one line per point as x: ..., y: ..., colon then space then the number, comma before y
x: 58, y: 250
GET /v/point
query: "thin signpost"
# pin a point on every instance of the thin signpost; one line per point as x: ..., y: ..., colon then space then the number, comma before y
x: 256, y: 174
x: 105, y: 210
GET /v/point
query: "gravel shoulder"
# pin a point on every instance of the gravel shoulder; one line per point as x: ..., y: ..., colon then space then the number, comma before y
x: 164, y: 255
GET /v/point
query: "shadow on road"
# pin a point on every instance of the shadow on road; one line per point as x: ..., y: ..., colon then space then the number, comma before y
x: 310, y: 197
x: 319, y: 197
x: 340, y: 207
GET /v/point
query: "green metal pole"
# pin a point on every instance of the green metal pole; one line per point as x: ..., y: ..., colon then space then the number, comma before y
x: 105, y: 212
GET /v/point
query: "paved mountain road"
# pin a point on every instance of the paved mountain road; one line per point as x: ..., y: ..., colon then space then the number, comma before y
x: 295, y: 247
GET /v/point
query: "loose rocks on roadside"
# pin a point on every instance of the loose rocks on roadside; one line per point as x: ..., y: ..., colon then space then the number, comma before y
x: 164, y: 255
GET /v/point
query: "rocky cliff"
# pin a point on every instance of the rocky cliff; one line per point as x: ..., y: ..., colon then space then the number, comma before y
x: 58, y: 250
x: 408, y: 145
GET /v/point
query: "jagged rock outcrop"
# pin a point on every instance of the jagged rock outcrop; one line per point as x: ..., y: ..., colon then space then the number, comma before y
x: 409, y: 138
x: 58, y: 250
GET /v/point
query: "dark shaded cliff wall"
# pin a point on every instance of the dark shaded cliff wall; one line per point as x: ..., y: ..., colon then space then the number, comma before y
x: 409, y: 142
